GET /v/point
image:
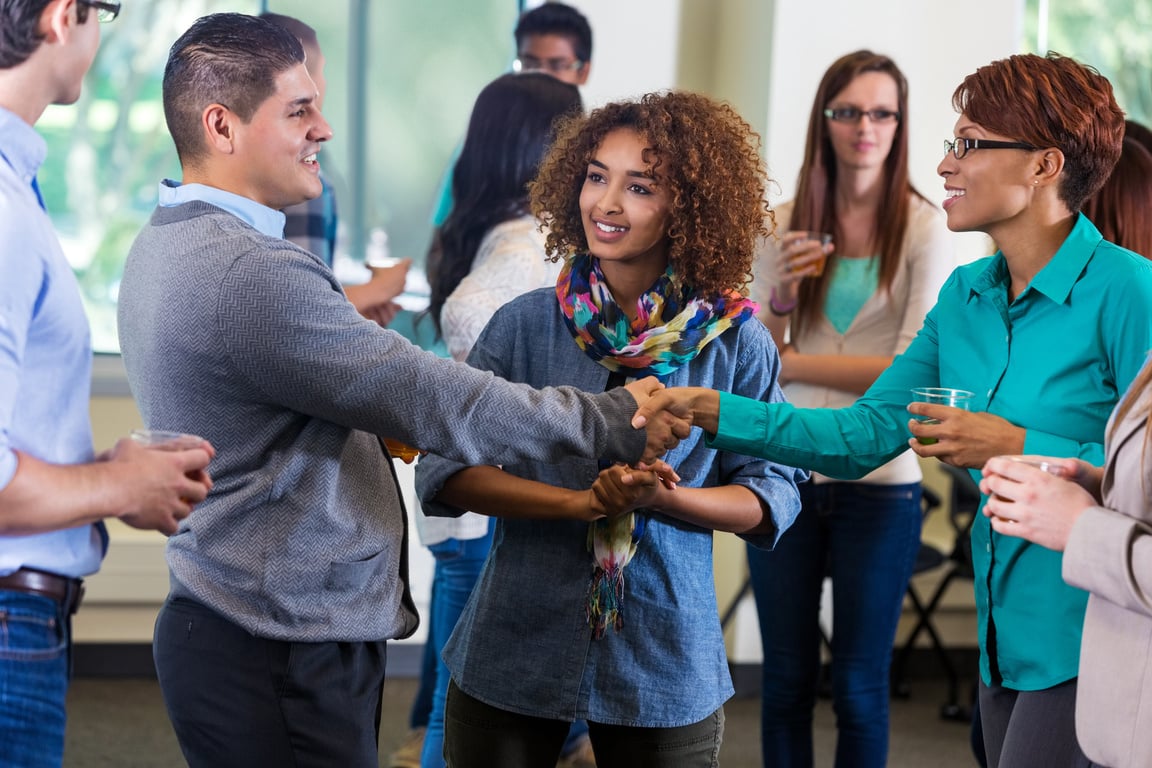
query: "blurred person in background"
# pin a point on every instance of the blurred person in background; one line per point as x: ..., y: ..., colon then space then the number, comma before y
x: 847, y: 309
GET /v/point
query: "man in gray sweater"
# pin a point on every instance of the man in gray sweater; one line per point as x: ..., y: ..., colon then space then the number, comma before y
x: 289, y: 578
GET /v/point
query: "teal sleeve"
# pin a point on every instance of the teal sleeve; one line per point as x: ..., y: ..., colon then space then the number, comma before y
x: 845, y: 443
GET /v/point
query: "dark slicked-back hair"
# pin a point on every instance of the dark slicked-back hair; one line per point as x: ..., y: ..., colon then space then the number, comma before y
x: 557, y: 19
x: 226, y: 58
x: 508, y: 133
x: 815, y: 207
x: 18, y: 36
x: 1050, y: 101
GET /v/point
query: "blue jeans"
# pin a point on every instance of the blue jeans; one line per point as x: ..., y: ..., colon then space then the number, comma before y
x: 866, y: 538
x: 458, y: 566
x: 34, y: 641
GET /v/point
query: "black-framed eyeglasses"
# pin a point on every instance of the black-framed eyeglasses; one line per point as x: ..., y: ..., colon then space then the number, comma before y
x: 553, y: 66
x: 105, y: 11
x: 961, y: 146
x: 853, y: 115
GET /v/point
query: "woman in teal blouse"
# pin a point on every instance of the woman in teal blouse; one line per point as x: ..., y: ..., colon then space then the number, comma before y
x: 1047, y: 332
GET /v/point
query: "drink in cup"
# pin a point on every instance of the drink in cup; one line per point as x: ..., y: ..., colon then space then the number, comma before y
x: 823, y: 239
x: 402, y: 451
x: 953, y: 398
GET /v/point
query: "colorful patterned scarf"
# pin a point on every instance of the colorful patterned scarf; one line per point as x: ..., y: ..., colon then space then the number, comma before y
x: 671, y: 327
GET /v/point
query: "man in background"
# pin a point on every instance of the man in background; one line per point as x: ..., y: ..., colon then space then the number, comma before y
x: 312, y: 223
x: 54, y: 493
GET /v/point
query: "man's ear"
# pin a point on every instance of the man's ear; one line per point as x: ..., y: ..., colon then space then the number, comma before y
x: 583, y: 72
x: 219, y: 124
x: 57, y: 21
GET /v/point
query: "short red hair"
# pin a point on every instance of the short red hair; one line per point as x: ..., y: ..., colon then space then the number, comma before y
x: 1050, y: 101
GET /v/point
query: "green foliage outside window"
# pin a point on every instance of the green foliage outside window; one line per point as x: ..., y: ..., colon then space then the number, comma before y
x: 1111, y: 35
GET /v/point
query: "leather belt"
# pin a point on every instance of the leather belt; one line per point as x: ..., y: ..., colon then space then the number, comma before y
x: 68, y: 592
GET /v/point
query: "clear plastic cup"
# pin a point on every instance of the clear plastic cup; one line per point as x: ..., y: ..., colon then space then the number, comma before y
x: 166, y: 441
x: 953, y: 398
x: 1051, y: 467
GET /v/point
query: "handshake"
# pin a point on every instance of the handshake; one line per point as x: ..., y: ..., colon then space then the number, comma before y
x: 668, y: 415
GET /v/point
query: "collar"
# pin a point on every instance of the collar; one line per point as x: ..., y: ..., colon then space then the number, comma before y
x: 1058, y: 276
x: 22, y: 148
x: 260, y: 217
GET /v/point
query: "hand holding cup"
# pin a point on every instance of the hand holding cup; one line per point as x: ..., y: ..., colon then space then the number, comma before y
x: 938, y: 396
x: 803, y: 254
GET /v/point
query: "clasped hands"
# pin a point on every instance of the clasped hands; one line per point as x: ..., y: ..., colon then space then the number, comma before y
x: 668, y: 415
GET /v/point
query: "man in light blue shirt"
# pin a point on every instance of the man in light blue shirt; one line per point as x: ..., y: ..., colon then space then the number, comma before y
x: 54, y: 492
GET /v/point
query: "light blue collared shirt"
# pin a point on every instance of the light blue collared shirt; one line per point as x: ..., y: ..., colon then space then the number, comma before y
x: 264, y: 219
x: 45, y: 353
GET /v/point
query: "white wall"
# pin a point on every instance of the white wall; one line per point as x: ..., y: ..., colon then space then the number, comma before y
x: 634, y: 47
x: 934, y: 45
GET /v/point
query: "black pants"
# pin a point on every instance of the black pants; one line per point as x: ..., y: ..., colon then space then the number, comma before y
x: 477, y: 735
x: 243, y: 701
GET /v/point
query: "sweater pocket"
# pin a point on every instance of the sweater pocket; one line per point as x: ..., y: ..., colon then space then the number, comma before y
x: 355, y: 576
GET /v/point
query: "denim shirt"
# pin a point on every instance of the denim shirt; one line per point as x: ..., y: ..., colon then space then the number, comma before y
x: 523, y: 643
x: 1053, y: 362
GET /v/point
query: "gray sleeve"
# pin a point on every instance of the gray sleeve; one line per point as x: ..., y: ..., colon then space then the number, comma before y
x: 298, y: 343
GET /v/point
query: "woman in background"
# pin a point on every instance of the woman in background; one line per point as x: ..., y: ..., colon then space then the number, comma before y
x: 1122, y: 208
x: 492, y: 251
x: 890, y: 252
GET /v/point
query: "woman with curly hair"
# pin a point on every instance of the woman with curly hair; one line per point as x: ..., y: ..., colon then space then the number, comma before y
x: 600, y: 577
x: 890, y: 253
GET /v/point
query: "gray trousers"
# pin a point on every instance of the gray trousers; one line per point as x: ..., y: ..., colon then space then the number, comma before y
x: 1031, y: 729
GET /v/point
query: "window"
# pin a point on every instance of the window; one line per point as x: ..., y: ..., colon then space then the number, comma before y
x: 422, y: 65
x: 1110, y: 35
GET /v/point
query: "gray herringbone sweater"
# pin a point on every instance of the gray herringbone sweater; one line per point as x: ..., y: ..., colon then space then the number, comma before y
x: 249, y: 341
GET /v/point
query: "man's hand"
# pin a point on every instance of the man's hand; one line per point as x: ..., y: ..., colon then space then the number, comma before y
x: 375, y: 299
x: 962, y: 439
x: 691, y: 406
x: 667, y: 419
x: 162, y: 485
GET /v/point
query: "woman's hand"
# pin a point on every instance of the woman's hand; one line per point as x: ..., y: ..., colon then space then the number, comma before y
x: 800, y: 257
x: 1031, y: 503
x: 614, y: 497
x: 962, y: 438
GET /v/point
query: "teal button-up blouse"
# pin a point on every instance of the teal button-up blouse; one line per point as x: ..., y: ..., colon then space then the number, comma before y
x: 1054, y: 361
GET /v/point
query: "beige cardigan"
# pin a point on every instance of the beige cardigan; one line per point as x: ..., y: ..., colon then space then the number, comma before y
x: 885, y: 324
x: 1110, y: 554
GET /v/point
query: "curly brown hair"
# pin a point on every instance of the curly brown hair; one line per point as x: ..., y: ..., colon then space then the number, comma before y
x: 705, y: 155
